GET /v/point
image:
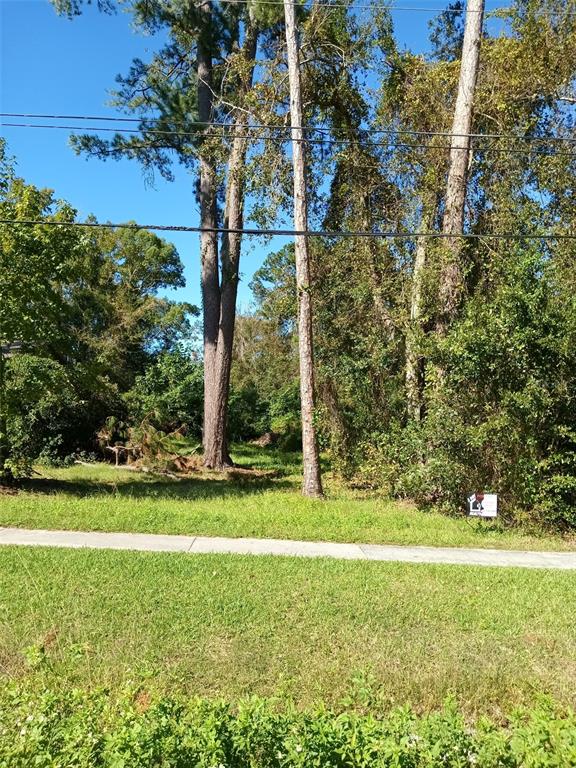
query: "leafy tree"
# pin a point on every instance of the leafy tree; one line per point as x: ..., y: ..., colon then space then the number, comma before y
x: 35, y: 264
x: 265, y: 364
x: 274, y: 288
x: 87, y: 316
x: 33, y: 308
x: 117, y: 320
x: 42, y: 409
x: 203, y: 75
x: 168, y: 394
x: 447, y: 32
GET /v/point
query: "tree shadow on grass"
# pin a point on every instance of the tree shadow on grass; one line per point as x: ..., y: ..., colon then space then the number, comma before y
x: 157, y: 487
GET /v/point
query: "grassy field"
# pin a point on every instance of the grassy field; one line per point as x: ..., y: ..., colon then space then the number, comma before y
x: 101, y: 497
x: 232, y: 625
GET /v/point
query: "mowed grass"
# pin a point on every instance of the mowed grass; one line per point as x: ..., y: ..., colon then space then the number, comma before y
x: 100, y: 497
x: 233, y: 625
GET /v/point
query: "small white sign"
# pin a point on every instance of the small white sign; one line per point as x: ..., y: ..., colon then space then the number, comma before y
x: 483, y: 505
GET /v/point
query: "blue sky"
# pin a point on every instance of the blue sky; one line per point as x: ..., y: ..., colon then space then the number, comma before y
x: 52, y: 65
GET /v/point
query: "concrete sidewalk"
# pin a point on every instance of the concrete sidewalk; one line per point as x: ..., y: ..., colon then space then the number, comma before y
x: 145, y: 542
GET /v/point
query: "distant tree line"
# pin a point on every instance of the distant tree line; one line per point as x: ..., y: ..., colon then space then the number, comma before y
x: 91, y: 350
x: 442, y: 365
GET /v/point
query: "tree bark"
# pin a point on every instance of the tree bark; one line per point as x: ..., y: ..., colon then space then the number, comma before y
x: 216, y: 454
x: 414, y: 359
x: 312, y: 482
x: 3, y: 421
x: 208, y: 222
x: 451, y: 274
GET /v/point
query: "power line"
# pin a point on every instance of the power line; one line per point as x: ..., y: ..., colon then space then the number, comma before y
x: 294, y: 232
x: 376, y: 6
x: 314, y: 129
x: 253, y: 137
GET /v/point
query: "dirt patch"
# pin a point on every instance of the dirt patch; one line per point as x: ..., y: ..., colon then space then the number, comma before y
x: 248, y: 473
x: 268, y: 438
x: 187, y: 464
x: 142, y: 700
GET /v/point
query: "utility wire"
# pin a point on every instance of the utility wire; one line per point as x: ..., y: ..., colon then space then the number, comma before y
x: 323, y: 141
x: 314, y: 129
x: 293, y: 232
x: 376, y: 6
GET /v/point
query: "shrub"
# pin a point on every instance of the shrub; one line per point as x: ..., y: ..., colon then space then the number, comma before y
x: 248, y: 415
x: 95, y: 730
x: 285, y: 416
x: 42, y: 408
x: 556, y: 495
x: 499, y: 403
x: 169, y: 394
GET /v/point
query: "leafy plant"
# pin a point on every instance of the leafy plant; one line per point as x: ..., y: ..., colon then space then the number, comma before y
x: 93, y: 730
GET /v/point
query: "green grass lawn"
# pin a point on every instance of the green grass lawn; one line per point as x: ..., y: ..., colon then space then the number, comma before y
x: 101, y: 497
x: 233, y: 625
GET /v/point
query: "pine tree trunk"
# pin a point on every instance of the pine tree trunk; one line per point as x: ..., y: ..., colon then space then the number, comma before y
x: 209, y: 236
x: 312, y: 483
x: 415, y: 363
x: 451, y: 275
x: 414, y: 359
x: 216, y: 454
x: 3, y: 421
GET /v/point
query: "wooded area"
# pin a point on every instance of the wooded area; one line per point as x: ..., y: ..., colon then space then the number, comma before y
x: 424, y: 337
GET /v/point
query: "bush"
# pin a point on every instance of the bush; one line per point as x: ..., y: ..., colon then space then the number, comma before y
x: 556, y: 495
x: 42, y: 408
x: 248, y: 415
x: 137, y: 730
x: 500, y: 396
x: 285, y: 416
x: 169, y: 394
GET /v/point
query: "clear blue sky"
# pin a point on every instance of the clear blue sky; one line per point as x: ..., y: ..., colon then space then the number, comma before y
x: 51, y: 65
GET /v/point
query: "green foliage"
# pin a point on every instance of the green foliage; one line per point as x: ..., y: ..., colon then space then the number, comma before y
x: 248, y: 414
x: 285, y: 415
x: 502, y: 418
x: 274, y: 288
x: 41, y: 406
x: 169, y: 394
x: 73, y: 8
x: 92, y: 730
x: 447, y: 32
x: 265, y: 393
x: 119, y: 323
x: 87, y: 317
x: 555, y: 494
x: 32, y: 310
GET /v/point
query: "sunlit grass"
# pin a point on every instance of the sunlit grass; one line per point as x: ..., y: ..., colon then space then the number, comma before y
x: 101, y: 497
x: 235, y: 625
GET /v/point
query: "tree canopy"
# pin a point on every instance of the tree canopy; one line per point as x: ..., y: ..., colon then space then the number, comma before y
x: 423, y: 392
